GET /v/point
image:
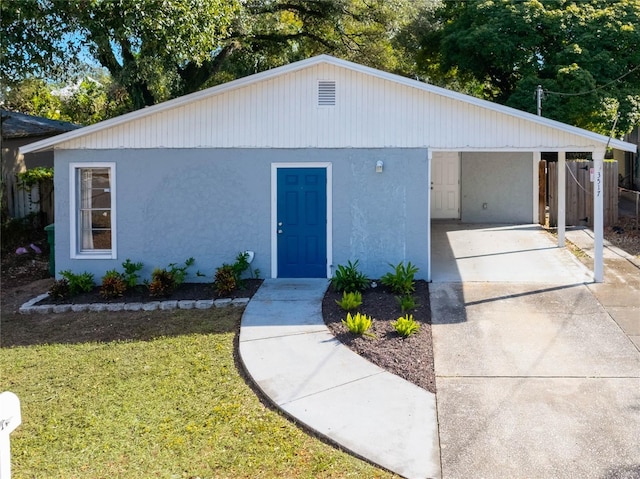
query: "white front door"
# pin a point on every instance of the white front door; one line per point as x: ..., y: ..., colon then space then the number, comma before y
x: 445, y: 185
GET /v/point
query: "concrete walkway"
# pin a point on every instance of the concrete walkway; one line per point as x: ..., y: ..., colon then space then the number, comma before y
x: 300, y: 366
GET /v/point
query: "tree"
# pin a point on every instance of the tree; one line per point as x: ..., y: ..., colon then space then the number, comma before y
x: 586, y: 55
x: 87, y: 100
x: 151, y: 48
x: 159, y: 50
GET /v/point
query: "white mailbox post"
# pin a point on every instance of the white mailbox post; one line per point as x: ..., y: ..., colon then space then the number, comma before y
x: 10, y: 419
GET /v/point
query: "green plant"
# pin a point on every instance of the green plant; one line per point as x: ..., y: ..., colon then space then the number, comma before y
x: 130, y: 275
x: 348, y: 278
x: 179, y: 273
x: 350, y: 300
x: 358, y: 323
x: 33, y: 176
x: 405, y: 325
x: 60, y: 289
x: 113, y: 285
x: 240, y: 266
x: 225, y: 280
x: 228, y: 277
x: 406, y: 302
x: 78, y: 283
x: 162, y: 283
x: 401, y: 280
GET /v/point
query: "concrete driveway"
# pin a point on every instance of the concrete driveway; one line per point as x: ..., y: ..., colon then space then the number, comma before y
x: 534, y: 377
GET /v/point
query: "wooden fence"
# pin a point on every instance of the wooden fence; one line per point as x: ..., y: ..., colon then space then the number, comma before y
x: 21, y: 203
x: 579, y: 191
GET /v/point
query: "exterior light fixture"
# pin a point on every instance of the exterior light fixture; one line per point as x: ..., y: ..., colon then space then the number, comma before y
x: 379, y: 166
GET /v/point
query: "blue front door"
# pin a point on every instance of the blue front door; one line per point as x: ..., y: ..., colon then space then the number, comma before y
x: 302, y: 223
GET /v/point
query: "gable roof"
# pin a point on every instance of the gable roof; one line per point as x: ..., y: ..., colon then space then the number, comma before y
x: 21, y: 125
x: 185, y: 101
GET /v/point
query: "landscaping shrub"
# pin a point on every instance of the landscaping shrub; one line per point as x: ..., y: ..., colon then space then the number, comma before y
x: 401, y: 279
x: 78, y: 283
x: 405, y: 326
x: 350, y: 301
x: 348, y: 278
x: 358, y: 323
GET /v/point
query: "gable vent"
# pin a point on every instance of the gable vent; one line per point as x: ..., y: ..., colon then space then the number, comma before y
x: 326, y: 93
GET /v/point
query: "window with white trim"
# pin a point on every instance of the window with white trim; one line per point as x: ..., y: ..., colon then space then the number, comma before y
x: 92, y: 210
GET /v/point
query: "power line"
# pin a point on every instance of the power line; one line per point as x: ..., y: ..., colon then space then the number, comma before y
x: 596, y: 88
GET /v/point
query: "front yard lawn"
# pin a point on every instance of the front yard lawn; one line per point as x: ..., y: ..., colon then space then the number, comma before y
x: 148, y: 394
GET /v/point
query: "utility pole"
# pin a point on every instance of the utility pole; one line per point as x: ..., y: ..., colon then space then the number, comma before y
x: 539, y: 94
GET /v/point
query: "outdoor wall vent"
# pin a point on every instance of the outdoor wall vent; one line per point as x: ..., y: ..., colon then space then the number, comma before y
x: 326, y: 93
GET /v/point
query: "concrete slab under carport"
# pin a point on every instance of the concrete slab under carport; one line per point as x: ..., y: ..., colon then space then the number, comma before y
x: 500, y: 253
x: 534, y: 377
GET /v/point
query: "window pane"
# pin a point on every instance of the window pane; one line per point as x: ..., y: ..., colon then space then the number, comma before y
x: 100, y: 178
x: 101, y: 239
x: 100, y: 219
x: 100, y: 199
x: 94, y: 215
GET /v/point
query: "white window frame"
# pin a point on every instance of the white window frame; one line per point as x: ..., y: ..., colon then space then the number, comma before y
x: 74, y: 209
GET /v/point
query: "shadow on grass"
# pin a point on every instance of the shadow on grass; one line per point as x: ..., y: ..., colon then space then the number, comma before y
x: 89, y: 327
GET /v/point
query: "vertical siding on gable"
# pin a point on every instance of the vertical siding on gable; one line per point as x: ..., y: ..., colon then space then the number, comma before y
x: 282, y: 112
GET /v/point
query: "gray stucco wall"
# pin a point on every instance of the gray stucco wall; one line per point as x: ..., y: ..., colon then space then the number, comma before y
x: 502, y: 181
x: 213, y: 203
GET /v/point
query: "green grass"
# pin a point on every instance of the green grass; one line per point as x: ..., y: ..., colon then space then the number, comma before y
x: 171, y: 406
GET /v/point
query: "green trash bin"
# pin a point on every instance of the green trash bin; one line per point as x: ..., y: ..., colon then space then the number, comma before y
x: 51, y: 239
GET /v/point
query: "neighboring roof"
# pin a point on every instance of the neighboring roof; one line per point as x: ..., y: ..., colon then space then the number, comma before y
x: 325, y: 59
x: 21, y: 125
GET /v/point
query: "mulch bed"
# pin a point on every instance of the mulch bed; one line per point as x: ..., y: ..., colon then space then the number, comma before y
x: 140, y: 294
x: 410, y: 358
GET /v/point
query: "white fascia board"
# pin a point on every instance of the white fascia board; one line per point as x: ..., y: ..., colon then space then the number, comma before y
x: 600, y: 140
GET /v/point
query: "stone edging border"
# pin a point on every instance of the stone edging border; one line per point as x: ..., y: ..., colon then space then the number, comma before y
x: 31, y: 307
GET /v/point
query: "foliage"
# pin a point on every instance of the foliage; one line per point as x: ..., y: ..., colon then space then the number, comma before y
x: 406, y: 302
x: 587, y: 52
x: 164, y: 281
x: 358, y: 323
x: 405, y: 325
x: 78, y: 283
x: 240, y: 266
x: 225, y: 280
x: 350, y: 301
x: 156, y: 57
x: 130, y: 275
x: 160, y: 390
x: 113, y: 285
x: 228, y: 277
x: 401, y: 280
x: 91, y: 98
x: 33, y: 176
x: 348, y: 278
x: 60, y: 289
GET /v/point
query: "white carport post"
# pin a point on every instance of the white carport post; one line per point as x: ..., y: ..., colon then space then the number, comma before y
x: 562, y: 197
x: 598, y: 216
x: 429, y: 241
